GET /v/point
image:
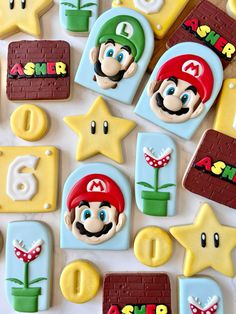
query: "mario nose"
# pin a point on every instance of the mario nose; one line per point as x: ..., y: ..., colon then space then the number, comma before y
x: 93, y: 225
x: 172, y: 103
x: 110, y: 66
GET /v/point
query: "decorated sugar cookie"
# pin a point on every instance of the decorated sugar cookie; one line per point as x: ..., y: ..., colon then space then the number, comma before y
x: 99, y: 132
x: 28, y: 266
x: 214, y: 166
x: 200, y: 295
x: 43, y: 65
x: 231, y: 8
x: 78, y: 16
x: 225, y: 119
x: 182, y: 88
x: 22, y: 16
x: 80, y: 281
x: 29, y: 179
x: 157, y: 297
x: 29, y: 122
x: 152, y: 246
x: 210, y: 26
x: 207, y: 244
x: 155, y: 178
x: 161, y: 14
x: 117, y: 54
x: 96, y: 206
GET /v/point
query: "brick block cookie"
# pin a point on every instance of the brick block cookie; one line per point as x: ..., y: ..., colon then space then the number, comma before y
x: 38, y: 70
x: 212, y: 171
x: 136, y: 293
x: 208, y: 25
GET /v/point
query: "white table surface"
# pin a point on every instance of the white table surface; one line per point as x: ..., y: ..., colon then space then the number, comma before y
x: 81, y: 99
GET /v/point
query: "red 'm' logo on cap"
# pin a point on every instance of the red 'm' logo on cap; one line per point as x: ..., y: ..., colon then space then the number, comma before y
x: 96, y: 185
x: 192, y: 67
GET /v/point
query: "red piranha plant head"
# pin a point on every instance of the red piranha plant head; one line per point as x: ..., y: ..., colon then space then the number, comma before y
x: 30, y: 255
x: 196, y: 307
x: 157, y: 161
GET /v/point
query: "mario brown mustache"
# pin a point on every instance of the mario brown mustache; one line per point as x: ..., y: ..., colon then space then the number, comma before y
x: 182, y: 87
x: 95, y: 209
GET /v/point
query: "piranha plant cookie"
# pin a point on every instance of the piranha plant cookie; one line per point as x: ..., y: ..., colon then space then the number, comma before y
x: 212, y: 171
x: 22, y: 16
x: 117, y: 54
x: 210, y: 26
x: 156, y: 164
x: 200, y: 295
x: 136, y: 293
x: 99, y: 132
x: 182, y: 89
x: 78, y: 16
x: 96, y: 209
x: 207, y: 244
x: 161, y: 14
x: 28, y: 266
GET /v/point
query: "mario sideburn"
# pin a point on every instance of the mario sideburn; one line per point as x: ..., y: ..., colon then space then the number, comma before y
x: 182, y: 86
x: 95, y: 209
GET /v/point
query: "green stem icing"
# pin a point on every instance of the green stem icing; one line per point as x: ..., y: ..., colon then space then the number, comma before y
x: 78, y: 4
x: 26, y: 276
x: 156, y: 179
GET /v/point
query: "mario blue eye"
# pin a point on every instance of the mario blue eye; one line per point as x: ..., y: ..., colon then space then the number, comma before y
x: 169, y: 90
x: 110, y: 52
x: 185, y: 97
x: 86, y: 213
x: 102, y: 215
x: 120, y: 57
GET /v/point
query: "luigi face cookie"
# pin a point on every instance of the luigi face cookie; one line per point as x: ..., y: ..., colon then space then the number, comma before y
x: 117, y: 54
x: 96, y: 208
x: 182, y: 88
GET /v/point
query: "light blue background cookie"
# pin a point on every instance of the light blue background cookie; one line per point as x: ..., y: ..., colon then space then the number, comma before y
x: 121, y: 240
x: 94, y: 12
x: 126, y: 89
x: 29, y: 231
x: 184, y: 129
x: 144, y: 172
x: 201, y: 288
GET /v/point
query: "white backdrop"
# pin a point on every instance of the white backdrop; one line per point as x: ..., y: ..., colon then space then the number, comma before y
x: 81, y: 99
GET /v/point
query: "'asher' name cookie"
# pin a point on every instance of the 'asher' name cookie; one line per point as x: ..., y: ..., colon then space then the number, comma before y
x: 117, y: 54
x: 212, y: 171
x: 210, y: 26
x: 136, y: 293
x: 38, y: 70
x: 182, y: 88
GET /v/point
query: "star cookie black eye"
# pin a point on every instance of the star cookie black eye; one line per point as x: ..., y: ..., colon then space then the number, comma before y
x: 105, y: 127
x: 12, y: 4
x: 93, y: 127
x: 216, y: 240
x: 23, y: 4
x: 203, y: 239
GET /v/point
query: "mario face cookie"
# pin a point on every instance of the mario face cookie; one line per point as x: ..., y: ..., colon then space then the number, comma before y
x: 28, y: 266
x: 117, y: 54
x: 182, y: 89
x: 156, y: 164
x: 29, y: 179
x: 157, y: 298
x: 99, y: 132
x: 207, y: 244
x: 200, y: 295
x: 78, y: 16
x: 209, y: 26
x: 214, y: 167
x: 160, y: 14
x: 225, y: 120
x: 43, y: 65
x: 22, y: 16
x: 96, y: 207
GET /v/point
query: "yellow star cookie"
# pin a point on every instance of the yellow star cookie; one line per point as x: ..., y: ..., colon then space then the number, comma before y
x: 207, y: 243
x: 22, y: 15
x: 99, y: 132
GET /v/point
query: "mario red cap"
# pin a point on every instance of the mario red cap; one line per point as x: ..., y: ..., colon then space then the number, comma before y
x: 192, y: 69
x: 96, y: 188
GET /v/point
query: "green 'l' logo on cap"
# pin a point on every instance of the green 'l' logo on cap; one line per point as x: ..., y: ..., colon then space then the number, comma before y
x: 125, y: 29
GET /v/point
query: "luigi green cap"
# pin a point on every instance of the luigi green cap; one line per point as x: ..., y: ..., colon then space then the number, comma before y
x: 126, y: 31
